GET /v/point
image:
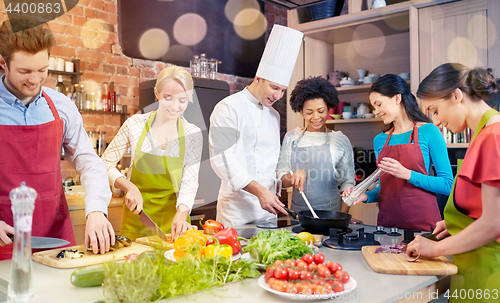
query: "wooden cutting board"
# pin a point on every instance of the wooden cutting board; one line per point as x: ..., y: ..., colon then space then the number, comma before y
x: 48, y: 257
x: 396, y: 264
x: 154, y: 241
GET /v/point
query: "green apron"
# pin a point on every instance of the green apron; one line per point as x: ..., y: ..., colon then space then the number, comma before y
x: 158, y: 178
x: 478, y: 270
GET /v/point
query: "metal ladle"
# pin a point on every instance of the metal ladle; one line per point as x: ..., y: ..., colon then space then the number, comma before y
x: 307, y: 202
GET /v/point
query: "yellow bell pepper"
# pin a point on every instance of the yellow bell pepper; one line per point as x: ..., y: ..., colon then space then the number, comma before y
x: 214, y: 250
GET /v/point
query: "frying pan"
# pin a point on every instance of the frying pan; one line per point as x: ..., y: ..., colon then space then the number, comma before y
x: 327, y: 219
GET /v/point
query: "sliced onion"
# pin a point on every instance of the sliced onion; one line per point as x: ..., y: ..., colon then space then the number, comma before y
x: 409, y: 259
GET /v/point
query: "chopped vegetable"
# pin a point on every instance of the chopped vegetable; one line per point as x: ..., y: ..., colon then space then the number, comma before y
x: 277, y: 245
x: 69, y: 253
x: 227, y: 236
x: 120, y: 241
x: 211, y: 227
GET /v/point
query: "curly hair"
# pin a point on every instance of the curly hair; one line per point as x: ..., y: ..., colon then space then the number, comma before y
x: 313, y: 88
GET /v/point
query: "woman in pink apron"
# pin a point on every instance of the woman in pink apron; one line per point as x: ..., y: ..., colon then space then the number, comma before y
x: 166, y: 154
x: 454, y: 95
x: 406, y: 194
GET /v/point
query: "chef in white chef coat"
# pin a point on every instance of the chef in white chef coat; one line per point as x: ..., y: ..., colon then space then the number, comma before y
x: 245, y: 138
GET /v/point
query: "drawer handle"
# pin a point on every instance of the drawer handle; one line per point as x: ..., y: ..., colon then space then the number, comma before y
x: 197, y: 217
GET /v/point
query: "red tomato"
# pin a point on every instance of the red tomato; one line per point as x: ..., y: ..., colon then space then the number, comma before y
x: 278, y: 263
x: 269, y: 272
x: 307, y: 290
x: 318, y: 289
x: 328, y: 287
x: 290, y: 262
x: 302, y: 265
x: 333, y: 267
x: 342, y: 275
x: 308, y: 258
x: 281, y: 273
x: 329, y: 265
x: 281, y: 285
x: 312, y: 267
x: 305, y: 275
x: 319, y: 258
x: 271, y: 282
x: 293, y: 274
x: 324, y: 272
x: 291, y: 289
x: 338, y: 286
x: 299, y: 287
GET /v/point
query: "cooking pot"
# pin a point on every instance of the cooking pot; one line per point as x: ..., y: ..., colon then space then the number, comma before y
x: 327, y: 219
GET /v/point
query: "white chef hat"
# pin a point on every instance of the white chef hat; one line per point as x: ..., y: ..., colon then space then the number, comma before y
x: 280, y: 55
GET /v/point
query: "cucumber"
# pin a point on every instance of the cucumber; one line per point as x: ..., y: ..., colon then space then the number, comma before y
x: 89, y: 276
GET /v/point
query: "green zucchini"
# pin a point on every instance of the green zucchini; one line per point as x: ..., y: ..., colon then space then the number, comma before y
x: 89, y: 276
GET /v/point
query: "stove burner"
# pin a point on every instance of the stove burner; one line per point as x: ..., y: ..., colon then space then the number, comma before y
x: 349, y: 241
x: 324, y: 232
x: 380, y: 231
x: 394, y: 232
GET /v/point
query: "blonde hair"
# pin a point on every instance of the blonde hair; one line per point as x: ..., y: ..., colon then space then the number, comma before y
x: 178, y: 74
x: 17, y: 35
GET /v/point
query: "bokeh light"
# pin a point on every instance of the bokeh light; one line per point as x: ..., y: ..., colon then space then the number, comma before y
x: 477, y: 28
x: 92, y: 34
x: 368, y: 34
x: 234, y: 7
x: 462, y: 50
x: 179, y: 52
x: 190, y: 29
x: 250, y: 24
x: 154, y: 43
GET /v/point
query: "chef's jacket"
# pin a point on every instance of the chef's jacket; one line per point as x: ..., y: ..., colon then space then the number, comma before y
x: 244, y: 146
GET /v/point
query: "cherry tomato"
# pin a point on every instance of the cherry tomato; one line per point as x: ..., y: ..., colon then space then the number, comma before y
x: 308, y: 258
x: 324, y: 272
x: 319, y: 258
x: 338, y: 286
x: 293, y: 274
x: 318, y: 289
x: 312, y: 267
x: 281, y: 285
x: 342, y: 275
x: 290, y: 288
x: 299, y: 287
x: 278, y: 263
x: 305, y: 275
x: 334, y: 267
x: 302, y: 265
x: 307, y: 290
x: 271, y: 282
x: 269, y: 273
x: 290, y: 262
x: 328, y: 287
x: 329, y: 265
x: 281, y: 273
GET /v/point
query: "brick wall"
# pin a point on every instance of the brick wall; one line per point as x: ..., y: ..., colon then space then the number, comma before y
x: 89, y: 32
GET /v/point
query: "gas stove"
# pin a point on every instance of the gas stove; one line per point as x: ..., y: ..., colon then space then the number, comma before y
x: 361, y: 235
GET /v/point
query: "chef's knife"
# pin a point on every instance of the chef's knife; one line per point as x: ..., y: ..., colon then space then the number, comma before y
x: 44, y: 242
x: 146, y: 220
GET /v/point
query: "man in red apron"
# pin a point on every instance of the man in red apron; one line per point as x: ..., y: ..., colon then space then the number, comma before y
x: 35, y: 122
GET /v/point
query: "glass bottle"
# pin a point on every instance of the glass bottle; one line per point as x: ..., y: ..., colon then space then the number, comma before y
x: 203, y: 66
x: 195, y: 66
x: 20, y: 288
x: 93, y: 139
x: 101, y: 143
x: 105, y: 97
x: 98, y: 99
x: 60, y: 87
x: 118, y: 104
x: 83, y: 97
x: 112, y: 97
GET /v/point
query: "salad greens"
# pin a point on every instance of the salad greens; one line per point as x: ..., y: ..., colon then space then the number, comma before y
x: 152, y: 277
x: 277, y: 245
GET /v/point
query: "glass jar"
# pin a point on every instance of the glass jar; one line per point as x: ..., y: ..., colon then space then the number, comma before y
x: 101, y: 143
x: 93, y: 139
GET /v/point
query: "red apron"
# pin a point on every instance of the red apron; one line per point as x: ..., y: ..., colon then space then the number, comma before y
x: 402, y: 204
x: 31, y: 153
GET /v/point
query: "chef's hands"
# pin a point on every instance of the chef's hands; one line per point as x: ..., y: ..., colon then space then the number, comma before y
x: 179, y: 224
x: 99, y: 232
x: 267, y: 199
x: 4, y: 230
x: 362, y: 198
x: 393, y: 167
x: 426, y: 247
x: 133, y: 199
x: 298, y: 179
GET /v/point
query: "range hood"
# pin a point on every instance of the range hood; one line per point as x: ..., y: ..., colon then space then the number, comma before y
x: 293, y: 4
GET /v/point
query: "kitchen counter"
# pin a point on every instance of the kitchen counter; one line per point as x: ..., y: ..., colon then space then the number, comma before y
x: 53, y: 285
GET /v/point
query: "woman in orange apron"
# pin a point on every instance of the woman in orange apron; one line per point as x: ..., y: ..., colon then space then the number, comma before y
x: 453, y: 95
x: 166, y: 152
x: 406, y: 194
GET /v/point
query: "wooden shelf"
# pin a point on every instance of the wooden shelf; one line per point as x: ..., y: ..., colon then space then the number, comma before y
x: 354, y: 88
x: 101, y: 112
x: 457, y: 145
x: 75, y: 76
x: 362, y: 120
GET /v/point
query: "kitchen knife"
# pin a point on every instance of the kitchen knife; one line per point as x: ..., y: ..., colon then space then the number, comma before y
x: 146, y: 220
x: 44, y: 242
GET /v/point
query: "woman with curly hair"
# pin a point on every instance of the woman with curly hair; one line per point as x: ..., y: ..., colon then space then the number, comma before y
x: 455, y: 97
x: 321, y: 159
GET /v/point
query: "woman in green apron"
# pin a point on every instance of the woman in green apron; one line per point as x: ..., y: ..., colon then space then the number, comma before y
x: 454, y: 95
x: 166, y: 152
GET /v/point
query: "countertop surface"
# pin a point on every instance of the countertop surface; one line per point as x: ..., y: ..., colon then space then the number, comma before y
x: 53, y: 285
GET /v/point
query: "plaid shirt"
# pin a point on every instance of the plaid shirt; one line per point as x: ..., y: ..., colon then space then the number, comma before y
x: 128, y: 137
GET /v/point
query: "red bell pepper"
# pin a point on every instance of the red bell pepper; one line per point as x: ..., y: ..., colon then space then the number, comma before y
x: 212, y: 227
x: 228, y: 236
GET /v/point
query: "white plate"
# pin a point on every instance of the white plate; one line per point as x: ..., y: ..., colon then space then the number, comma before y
x: 169, y: 255
x: 348, y: 287
x: 259, y: 265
